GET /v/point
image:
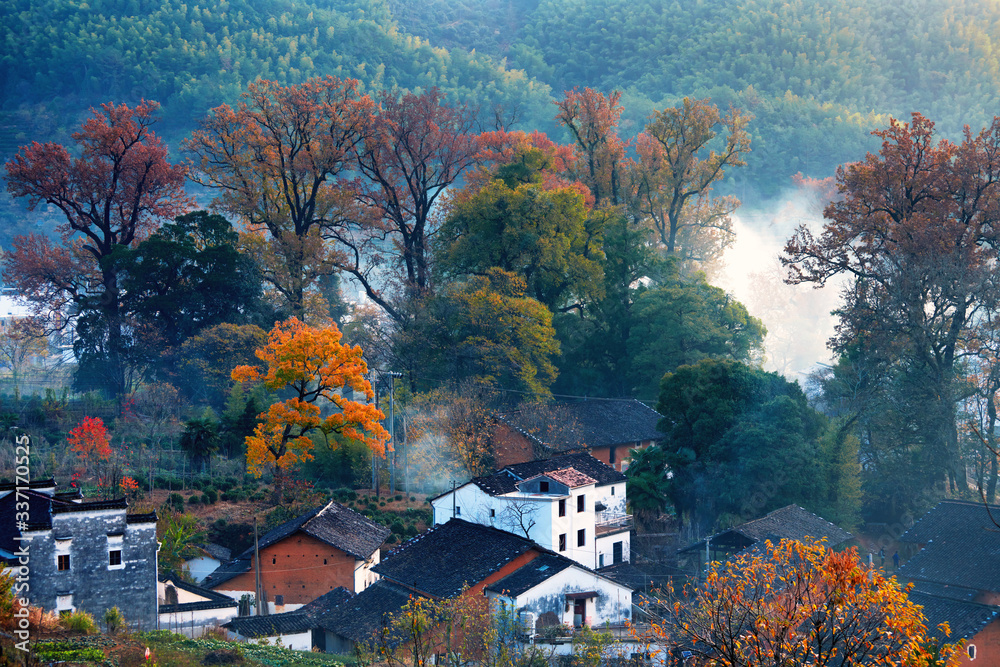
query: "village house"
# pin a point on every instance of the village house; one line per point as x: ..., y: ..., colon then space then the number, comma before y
x: 191, y: 610
x: 607, y: 429
x: 956, y: 574
x: 463, y: 558
x: 329, y: 547
x: 83, y: 555
x: 572, y: 504
x: 787, y: 523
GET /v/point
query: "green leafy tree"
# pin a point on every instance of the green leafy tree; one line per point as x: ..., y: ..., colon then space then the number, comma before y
x: 485, y: 329
x: 684, y: 321
x: 740, y: 442
x: 200, y: 438
x: 647, y: 484
x: 543, y: 234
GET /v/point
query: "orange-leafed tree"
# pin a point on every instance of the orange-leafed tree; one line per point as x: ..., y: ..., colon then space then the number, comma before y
x: 799, y: 603
x: 313, y: 365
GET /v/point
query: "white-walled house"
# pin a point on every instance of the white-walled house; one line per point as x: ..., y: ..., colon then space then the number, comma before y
x: 573, y: 505
x: 558, y: 592
x: 191, y: 610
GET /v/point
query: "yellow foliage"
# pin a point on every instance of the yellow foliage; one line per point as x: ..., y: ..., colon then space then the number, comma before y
x: 314, y: 365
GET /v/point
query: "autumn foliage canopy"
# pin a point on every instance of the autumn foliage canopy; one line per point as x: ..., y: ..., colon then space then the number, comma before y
x: 796, y: 603
x: 313, y: 364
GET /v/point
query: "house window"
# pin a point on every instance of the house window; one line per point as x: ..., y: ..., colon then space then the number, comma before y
x: 115, y: 546
x: 617, y: 551
x: 543, y: 487
x: 600, y: 561
x: 581, y: 503
x: 279, y: 600
x: 562, y: 542
x: 562, y: 507
x: 493, y: 513
x: 581, y: 537
x: 612, y: 490
x: 611, y: 456
x: 972, y: 651
x: 62, y: 562
x: 458, y: 511
x: 274, y: 561
x: 115, y: 558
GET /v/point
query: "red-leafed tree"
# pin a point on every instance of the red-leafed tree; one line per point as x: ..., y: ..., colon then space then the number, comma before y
x: 277, y: 160
x: 592, y: 119
x: 417, y: 147
x: 914, y: 230
x: 112, y: 192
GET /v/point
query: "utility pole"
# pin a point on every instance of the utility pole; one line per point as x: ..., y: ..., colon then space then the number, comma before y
x: 256, y: 567
x: 392, y: 429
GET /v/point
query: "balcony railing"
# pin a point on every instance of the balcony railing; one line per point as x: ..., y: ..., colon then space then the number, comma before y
x: 612, y: 523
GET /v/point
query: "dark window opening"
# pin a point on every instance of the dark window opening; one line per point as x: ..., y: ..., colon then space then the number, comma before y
x: 611, y: 456
x: 115, y: 557
x: 458, y: 511
x: 274, y: 561
x: 62, y: 562
x: 562, y: 507
x: 562, y: 542
x: 617, y: 552
x: 493, y: 513
x: 324, y: 561
x: 279, y: 600
x: 612, y: 490
x: 581, y: 537
x: 581, y: 503
x: 543, y: 487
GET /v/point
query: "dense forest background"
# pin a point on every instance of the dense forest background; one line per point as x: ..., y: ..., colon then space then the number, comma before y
x: 817, y: 78
x: 812, y: 82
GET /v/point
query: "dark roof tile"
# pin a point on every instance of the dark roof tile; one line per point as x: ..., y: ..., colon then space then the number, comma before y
x: 530, y: 575
x: 589, y: 423
x: 359, y: 618
x: 790, y: 523
x: 964, y: 619
x: 505, y: 481
x: 962, y: 547
x: 449, y: 556
x: 270, y: 626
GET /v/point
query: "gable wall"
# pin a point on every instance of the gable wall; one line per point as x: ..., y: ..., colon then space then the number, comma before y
x: 987, y: 643
x: 294, y: 568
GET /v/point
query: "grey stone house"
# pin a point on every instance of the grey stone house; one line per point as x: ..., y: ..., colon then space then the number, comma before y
x: 88, y: 556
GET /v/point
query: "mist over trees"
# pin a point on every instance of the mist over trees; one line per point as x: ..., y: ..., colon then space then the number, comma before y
x: 524, y: 221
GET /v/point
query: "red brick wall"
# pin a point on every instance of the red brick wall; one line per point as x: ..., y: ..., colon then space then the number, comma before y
x: 622, y: 452
x: 295, y: 568
x: 987, y: 644
x: 511, y: 447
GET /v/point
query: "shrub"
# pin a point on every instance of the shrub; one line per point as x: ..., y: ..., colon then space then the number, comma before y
x: 391, y: 539
x: 176, y: 502
x: 210, y: 496
x: 195, y: 499
x: 397, y: 527
x: 79, y: 621
x: 114, y: 620
x: 413, y: 499
x: 381, y: 503
x: 397, y: 498
x: 411, y: 531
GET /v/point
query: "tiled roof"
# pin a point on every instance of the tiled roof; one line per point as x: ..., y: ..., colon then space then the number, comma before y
x: 271, y: 626
x: 589, y: 423
x: 528, y: 576
x: 34, y: 484
x: 216, y: 551
x: 964, y: 619
x: 227, y: 571
x: 962, y: 547
x: 952, y: 517
x: 326, y: 603
x: 359, y: 618
x: 443, y: 560
x: 334, y: 524
x: 790, y: 523
x: 571, y: 477
x: 40, y: 508
x: 116, y: 504
x: 212, y: 599
x: 505, y: 481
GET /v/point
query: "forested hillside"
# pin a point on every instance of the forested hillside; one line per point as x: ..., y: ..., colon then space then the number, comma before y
x: 817, y: 78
